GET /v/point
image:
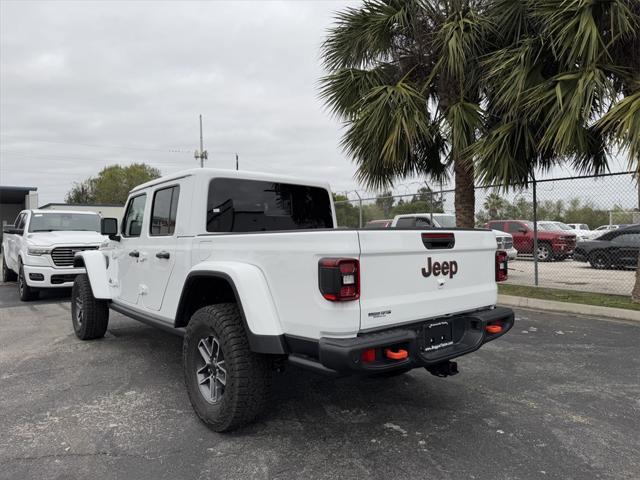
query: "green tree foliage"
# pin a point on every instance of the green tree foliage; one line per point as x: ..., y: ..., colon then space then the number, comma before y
x: 404, y: 77
x: 385, y: 207
x: 562, y: 85
x: 572, y: 211
x: 112, y: 185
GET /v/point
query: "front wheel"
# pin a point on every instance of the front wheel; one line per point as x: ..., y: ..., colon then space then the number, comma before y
x: 227, y: 383
x: 25, y: 292
x: 89, y: 315
x: 544, y: 252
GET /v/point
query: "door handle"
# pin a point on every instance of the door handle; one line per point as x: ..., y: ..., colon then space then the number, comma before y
x: 134, y: 253
x: 163, y: 254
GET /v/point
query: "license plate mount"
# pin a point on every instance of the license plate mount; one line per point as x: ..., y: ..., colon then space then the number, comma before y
x: 437, y: 335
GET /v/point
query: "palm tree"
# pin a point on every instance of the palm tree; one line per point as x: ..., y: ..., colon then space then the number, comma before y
x: 562, y: 86
x: 494, y: 204
x: 404, y: 76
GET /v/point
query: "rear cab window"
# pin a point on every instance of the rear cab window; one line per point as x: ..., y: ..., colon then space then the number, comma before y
x: 240, y: 205
x: 163, y: 211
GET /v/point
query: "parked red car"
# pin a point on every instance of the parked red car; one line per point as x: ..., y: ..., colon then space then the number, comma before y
x: 552, y: 245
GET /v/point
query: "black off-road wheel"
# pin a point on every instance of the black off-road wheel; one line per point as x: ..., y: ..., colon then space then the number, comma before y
x: 25, y: 292
x: 8, y: 275
x: 227, y: 383
x: 89, y: 315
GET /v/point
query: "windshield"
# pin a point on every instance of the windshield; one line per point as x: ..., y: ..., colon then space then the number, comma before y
x: 54, y: 222
x: 562, y: 226
x: 445, y: 221
x: 549, y: 226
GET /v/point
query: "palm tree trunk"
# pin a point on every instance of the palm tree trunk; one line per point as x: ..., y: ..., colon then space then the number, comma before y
x: 465, y: 194
x: 635, y: 293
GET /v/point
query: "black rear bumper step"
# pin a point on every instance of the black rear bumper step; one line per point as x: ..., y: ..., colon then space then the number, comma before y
x: 468, y: 334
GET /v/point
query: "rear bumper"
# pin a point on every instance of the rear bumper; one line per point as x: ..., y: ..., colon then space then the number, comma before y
x: 468, y: 335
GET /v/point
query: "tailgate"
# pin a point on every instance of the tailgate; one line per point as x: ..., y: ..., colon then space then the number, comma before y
x: 405, y: 277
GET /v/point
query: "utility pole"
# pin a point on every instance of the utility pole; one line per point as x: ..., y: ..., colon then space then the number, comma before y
x: 237, y: 165
x: 202, y: 153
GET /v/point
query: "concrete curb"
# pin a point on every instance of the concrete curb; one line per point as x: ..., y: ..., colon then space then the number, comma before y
x: 578, y: 308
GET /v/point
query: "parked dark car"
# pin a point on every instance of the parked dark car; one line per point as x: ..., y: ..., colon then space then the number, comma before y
x: 552, y: 245
x: 615, y: 249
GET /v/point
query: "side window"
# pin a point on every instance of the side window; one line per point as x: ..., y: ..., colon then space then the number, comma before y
x: 132, y: 224
x: 405, y: 222
x: 497, y: 226
x: 22, y: 222
x: 627, y: 238
x: 163, y: 211
x: 422, y: 222
x: 513, y: 227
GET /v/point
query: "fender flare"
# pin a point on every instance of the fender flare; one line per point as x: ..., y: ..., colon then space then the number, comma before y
x: 255, y: 303
x: 95, y: 266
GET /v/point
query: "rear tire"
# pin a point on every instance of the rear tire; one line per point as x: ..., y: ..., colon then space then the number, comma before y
x: 8, y: 275
x: 599, y: 260
x: 25, y: 292
x: 227, y: 383
x: 89, y: 315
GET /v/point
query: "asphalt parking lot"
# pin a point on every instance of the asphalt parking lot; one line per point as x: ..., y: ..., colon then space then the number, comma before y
x: 572, y: 275
x: 558, y: 397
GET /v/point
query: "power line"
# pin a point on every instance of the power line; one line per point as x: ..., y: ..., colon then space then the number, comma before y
x: 93, y: 145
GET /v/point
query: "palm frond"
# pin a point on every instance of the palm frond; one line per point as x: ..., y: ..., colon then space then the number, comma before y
x: 343, y: 90
x: 622, y: 125
x: 365, y: 35
x: 390, y: 133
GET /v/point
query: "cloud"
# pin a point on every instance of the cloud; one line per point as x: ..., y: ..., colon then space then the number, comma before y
x: 88, y: 84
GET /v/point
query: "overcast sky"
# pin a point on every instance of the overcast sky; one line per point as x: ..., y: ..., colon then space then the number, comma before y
x: 87, y: 84
x: 133, y: 76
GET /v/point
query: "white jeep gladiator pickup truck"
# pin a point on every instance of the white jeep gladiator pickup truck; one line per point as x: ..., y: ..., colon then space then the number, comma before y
x: 39, y: 248
x: 252, y: 270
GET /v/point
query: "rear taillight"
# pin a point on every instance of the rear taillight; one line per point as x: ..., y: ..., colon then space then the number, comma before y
x: 501, y: 265
x: 339, y: 279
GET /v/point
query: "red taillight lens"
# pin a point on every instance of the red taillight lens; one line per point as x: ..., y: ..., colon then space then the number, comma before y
x: 339, y: 279
x: 501, y: 265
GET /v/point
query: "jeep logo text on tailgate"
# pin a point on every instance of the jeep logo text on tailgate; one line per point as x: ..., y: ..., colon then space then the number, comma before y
x: 438, y: 268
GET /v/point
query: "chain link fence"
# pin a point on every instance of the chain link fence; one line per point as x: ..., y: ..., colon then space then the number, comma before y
x: 564, y: 229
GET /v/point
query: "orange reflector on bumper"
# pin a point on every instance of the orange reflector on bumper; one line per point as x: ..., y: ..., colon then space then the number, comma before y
x: 399, y: 355
x: 493, y: 329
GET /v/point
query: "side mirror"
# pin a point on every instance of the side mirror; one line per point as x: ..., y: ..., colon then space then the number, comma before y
x: 523, y: 230
x: 10, y: 229
x: 109, y: 227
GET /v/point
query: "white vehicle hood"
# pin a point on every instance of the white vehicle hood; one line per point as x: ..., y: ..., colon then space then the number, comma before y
x: 75, y: 238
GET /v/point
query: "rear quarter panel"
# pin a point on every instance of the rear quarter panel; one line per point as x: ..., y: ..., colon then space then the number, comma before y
x: 289, y: 264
